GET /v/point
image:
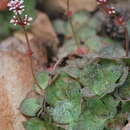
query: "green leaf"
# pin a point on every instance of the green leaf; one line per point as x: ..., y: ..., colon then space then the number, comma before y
x: 72, y: 71
x: 60, y: 26
x: 85, y: 33
x: 105, y: 107
x: 126, y: 107
x: 112, y: 51
x: 96, y: 113
x: 101, y: 79
x: 62, y: 89
x: 30, y: 107
x: 94, y: 44
x: 36, y: 124
x: 68, y: 48
x: 111, y: 105
x: 57, y: 91
x: 43, y: 79
x: 84, y: 27
x: 88, y: 121
x: 66, y: 111
x: 95, y: 22
x: 65, y: 98
x: 79, y: 19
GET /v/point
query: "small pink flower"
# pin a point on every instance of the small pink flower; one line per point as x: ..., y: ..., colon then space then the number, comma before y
x: 101, y: 2
x: 16, y: 6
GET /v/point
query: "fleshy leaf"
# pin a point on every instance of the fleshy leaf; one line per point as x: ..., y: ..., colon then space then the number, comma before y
x: 30, y: 107
x: 61, y: 89
x: 79, y: 19
x: 72, y: 71
x: 43, y: 79
x: 112, y: 51
x: 60, y: 26
x: 66, y: 111
x: 101, y: 79
x: 105, y: 107
x: 96, y: 113
x: 94, y: 43
x: 65, y: 98
x: 36, y: 124
x: 88, y: 121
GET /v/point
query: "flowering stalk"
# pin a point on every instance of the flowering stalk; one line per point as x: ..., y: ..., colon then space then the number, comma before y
x: 119, y: 20
x: 17, y: 7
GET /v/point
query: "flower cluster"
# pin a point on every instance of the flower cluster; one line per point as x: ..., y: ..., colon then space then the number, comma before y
x: 17, y: 6
x: 25, y: 21
x: 110, y: 10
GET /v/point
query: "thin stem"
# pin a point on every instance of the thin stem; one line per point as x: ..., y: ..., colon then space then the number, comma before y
x: 77, y: 41
x: 126, y: 42
x: 30, y: 57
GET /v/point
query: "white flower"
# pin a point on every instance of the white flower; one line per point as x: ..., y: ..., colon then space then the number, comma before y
x: 16, y: 6
x: 26, y: 20
x: 14, y: 20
